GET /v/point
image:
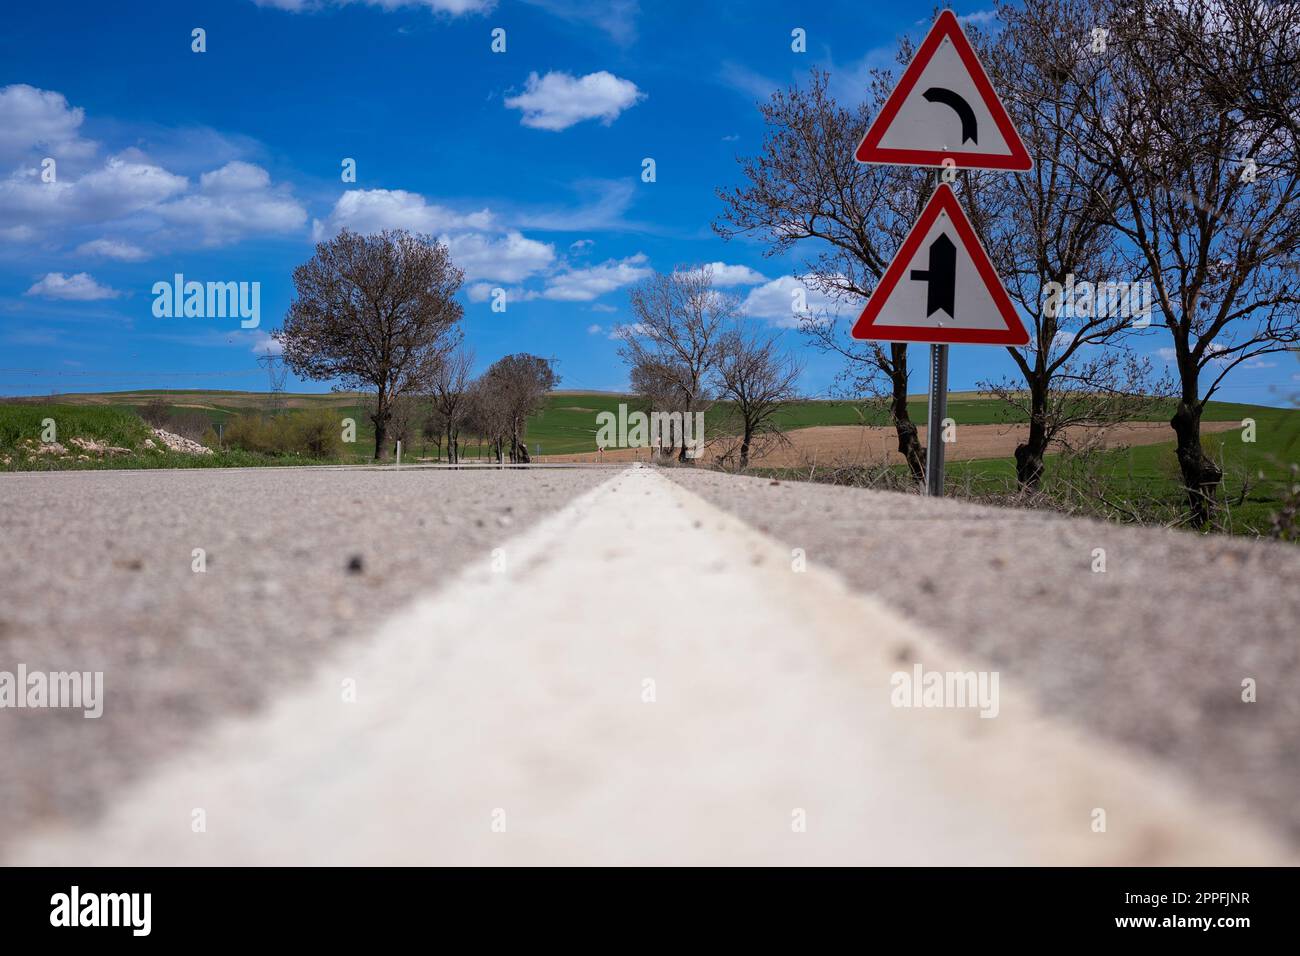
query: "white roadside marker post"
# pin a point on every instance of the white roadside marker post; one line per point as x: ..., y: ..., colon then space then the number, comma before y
x: 399, y: 454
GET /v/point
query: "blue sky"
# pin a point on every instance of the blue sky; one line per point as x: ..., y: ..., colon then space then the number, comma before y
x: 225, y: 166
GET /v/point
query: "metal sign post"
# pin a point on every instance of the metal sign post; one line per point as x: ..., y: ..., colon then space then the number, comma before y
x: 938, y: 412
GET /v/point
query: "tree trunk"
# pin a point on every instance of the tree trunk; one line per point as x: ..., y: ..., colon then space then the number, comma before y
x: 744, y: 447
x: 382, y: 413
x: 1201, y: 476
x: 1029, y: 456
x: 451, y: 446
x: 909, y: 446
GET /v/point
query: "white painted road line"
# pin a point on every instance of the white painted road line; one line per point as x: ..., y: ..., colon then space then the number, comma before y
x: 505, y: 720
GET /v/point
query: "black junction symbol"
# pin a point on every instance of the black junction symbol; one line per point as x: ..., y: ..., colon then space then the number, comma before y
x: 940, y: 278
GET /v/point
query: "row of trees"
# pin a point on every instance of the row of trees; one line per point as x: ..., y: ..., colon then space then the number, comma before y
x: 690, y: 346
x: 496, y: 406
x: 378, y: 313
x: 1164, y: 135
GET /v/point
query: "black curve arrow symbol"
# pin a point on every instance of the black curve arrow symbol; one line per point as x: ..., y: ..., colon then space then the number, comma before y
x: 957, y: 103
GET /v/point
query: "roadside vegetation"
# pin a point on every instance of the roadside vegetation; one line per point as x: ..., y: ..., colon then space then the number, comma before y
x: 1136, y: 485
x: 1165, y: 149
x: 1142, y: 484
x: 91, y: 437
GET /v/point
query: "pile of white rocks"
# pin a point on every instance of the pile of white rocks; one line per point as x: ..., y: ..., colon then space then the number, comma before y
x: 177, y: 443
x: 96, y: 448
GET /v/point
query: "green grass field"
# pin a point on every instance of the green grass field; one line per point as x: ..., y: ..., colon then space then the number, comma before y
x: 23, y: 427
x: 1258, y: 473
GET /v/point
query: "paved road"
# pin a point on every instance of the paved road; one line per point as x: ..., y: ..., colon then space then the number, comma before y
x: 96, y: 574
x: 512, y: 694
x: 1151, y: 652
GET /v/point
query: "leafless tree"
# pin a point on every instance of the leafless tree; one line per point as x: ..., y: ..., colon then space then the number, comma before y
x: 404, y: 418
x: 373, y: 312
x: 1195, y: 115
x: 513, y: 388
x: 680, y: 320
x: 432, y: 430
x: 805, y: 187
x: 654, y: 381
x: 758, y: 378
x: 450, y: 387
x: 487, y: 415
x: 1048, y: 234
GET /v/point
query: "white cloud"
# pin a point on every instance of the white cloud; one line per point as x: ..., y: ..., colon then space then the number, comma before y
x: 479, y: 245
x: 40, y: 122
x: 725, y: 275
x: 558, y: 100
x: 583, y: 285
x: 620, y: 332
x: 121, y: 187
x: 594, y: 329
x: 778, y: 301
x: 1062, y: 340
x: 112, y: 249
x: 127, y: 191
x: 235, y: 177
x: 374, y: 210
x: 232, y: 202
x: 263, y: 344
x: 602, y: 307
x: 75, y: 288
x: 482, y: 291
x: 509, y: 258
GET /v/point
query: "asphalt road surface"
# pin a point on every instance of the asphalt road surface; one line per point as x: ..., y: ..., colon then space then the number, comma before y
x: 622, y: 666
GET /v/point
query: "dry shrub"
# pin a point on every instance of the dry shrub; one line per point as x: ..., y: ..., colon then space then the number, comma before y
x: 311, y: 433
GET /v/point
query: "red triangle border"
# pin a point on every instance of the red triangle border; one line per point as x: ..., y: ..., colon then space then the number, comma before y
x: 870, y: 150
x: 943, y: 200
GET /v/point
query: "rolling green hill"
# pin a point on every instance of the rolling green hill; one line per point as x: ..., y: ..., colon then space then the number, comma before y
x: 567, y: 423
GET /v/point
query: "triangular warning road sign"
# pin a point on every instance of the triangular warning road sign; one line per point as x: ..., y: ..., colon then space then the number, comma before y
x: 941, y: 287
x: 944, y: 108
